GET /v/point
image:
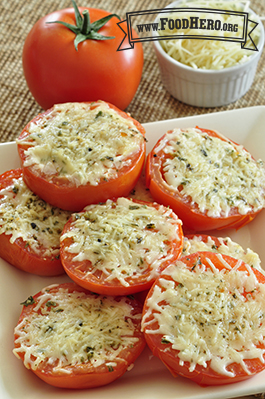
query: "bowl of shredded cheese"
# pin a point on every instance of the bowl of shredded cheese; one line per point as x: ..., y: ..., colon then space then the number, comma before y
x: 200, y: 51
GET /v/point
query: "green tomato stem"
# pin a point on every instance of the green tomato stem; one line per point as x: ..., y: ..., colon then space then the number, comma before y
x: 84, y: 29
x: 86, y: 25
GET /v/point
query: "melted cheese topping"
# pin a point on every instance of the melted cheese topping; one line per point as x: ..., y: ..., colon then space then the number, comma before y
x: 68, y: 329
x: 210, y: 54
x: 82, y: 144
x: 24, y: 215
x: 207, y: 318
x: 226, y: 247
x: 215, y: 174
x: 123, y: 239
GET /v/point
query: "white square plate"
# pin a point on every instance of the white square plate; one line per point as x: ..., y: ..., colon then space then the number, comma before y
x: 149, y: 379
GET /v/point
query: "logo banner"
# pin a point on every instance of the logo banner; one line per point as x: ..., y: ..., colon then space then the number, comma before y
x: 200, y: 23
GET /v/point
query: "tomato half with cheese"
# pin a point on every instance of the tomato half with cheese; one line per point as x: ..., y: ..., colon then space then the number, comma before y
x: 76, y: 154
x: 30, y: 228
x: 121, y: 246
x: 224, y: 245
x: 72, y: 338
x: 204, y: 318
x: 208, y: 180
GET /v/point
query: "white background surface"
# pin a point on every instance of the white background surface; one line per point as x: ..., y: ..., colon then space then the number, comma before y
x: 149, y: 379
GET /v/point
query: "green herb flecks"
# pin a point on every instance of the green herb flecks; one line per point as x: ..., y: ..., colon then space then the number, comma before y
x: 29, y: 301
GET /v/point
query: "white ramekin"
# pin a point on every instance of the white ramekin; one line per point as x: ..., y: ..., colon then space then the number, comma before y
x: 207, y: 88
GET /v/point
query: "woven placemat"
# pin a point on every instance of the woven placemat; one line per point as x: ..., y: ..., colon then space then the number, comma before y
x: 151, y: 103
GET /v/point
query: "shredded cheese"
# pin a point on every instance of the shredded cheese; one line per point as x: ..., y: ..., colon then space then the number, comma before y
x: 210, y: 54
x: 81, y: 144
x: 24, y: 215
x: 225, y: 246
x: 123, y: 239
x: 214, y: 174
x: 208, y: 316
x: 73, y: 328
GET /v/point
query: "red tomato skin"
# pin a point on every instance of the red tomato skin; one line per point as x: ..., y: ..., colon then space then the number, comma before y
x: 56, y: 72
x: 201, y: 375
x: 81, y: 376
x: 19, y: 254
x: 75, y: 199
x: 22, y: 258
x: 80, y: 381
x: 72, y: 198
x: 191, y: 217
x: 98, y: 284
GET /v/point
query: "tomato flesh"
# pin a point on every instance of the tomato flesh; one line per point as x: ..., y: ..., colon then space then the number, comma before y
x: 193, y: 219
x: 203, y: 376
x: 64, y: 194
x: 88, y: 276
x: 84, y: 375
x: 21, y: 255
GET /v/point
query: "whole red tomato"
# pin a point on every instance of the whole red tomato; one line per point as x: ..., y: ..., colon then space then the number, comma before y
x: 57, y: 70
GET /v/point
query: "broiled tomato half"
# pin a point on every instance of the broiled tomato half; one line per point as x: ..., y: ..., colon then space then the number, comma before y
x: 121, y: 246
x: 204, y: 318
x: 76, y: 154
x: 224, y: 245
x: 72, y: 338
x: 29, y: 228
x: 208, y: 180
